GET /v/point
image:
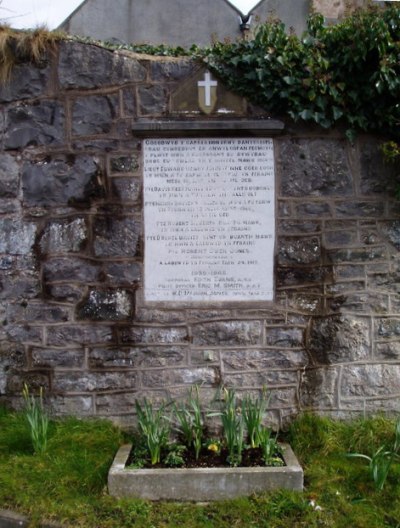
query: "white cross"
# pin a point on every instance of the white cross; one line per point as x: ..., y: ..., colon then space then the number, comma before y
x: 207, y: 84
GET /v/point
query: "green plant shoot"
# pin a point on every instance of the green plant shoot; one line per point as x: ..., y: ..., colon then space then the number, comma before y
x: 154, y: 426
x: 37, y: 419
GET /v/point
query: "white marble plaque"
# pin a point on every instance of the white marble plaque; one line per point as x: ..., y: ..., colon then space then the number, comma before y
x: 209, y: 219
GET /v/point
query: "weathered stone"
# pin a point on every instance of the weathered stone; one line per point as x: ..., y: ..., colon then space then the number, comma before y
x: 314, y: 168
x: 298, y: 276
x: 122, y: 273
x: 299, y: 250
x: 64, y: 236
x: 339, y: 339
x: 204, y: 357
x: 357, y: 254
x: 26, y: 82
x: 12, y: 358
x: 370, y: 380
x: 93, y: 114
x: 152, y: 100
x: 24, y: 333
x: 61, y: 181
x: 145, y: 335
x: 262, y: 360
x: 319, y: 388
x: 376, y: 176
x: 9, y: 176
x: 171, y: 69
x: 75, y: 381
x: 20, y: 285
x: 152, y: 315
x: 208, y: 315
x: 119, y: 403
x: 186, y: 376
x: 391, y: 230
x: 349, y: 271
x: 36, y: 312
x: 135, y: 357
x: 285, y: 337
x: 57, y: 358
x: 68, y: 269
x: 365, y: 302
x: 62, y: 336
x: 16, y: 236
x: 72, y: 405
x: 305, y: 303
x: 34, y: 379
x: 284, y: 209
x: 126, y: 189
x: 340, y: 238
x: 129, y: 102
x: 387, y: 282
x: 116, y: 237
x: 359, y: 209
x: 110, y: 305
x: 124, y: 164
x: 83, y: 66
x: 227, y: 333
x: 347, y: 287
x: 38, y: 124
x: 313, y: 209
x: 298, y: 227
x: 63, y: 292
x: 261, y: 379
x: 387, y: 328
x: 388, y: 351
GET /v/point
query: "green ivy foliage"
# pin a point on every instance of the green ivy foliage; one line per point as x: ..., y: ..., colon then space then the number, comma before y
x: 347, y: 73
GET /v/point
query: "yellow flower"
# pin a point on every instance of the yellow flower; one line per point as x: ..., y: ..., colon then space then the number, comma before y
x: 213, y: 447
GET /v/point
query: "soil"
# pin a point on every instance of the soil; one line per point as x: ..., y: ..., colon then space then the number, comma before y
x: 210, y: 459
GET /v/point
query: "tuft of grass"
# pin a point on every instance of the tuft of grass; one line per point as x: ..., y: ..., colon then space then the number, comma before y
x: 17, y: 46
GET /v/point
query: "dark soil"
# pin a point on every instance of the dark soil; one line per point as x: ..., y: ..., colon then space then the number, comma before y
x: 210, y: 459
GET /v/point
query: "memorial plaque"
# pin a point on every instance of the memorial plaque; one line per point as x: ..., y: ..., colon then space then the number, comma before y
x: 209, y: 219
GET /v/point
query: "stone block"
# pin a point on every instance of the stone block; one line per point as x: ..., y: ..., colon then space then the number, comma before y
x: 70, y: 269
x: 62, y: 336
x: 186, y: 376
x: 377, y: 177
x: 84, y: 66
x: 26, y: 82
x: 69, y: 293
x: 61, y: 180
x: 122, y: 274
x: 385, y: 282
x: 302, y: 275
x: 263, y: 360
x: 171, y: 69
x: 370, y: 380
x: 107, y: 404
x: 75, y: 381
x: 389, y: 351
x: 260, y: 379
x: 146, y: 335
x: 126, y: 189
x: 34, y: 125
x: 387, y: 328
x: 152, y: 100
x: 12, y: 358
x: 299, y: 250
x: 354, y: 209
x: 319, y: 209
x: 339, y: 339
x: 17, y: 237
x: 137, y: 357
x: 152, y: 315
x: 72, y: 405
x: 340, y: 238
x: 284, y: 337
x: 106, y: 305
x: 9, y: 176
x: 64, y: 236
x: 93, y: 114
x: 357, y: 255
x: 314, y: 168
x: 391, y: 231
x: 34, y: 379
x: 319, y: 388
x: 298, y: 227
x: 24, y: 333
x: 124, y: 164
x: 346, y: 287
x: 37, y: 312
x: 57, y: 358
x: 116, y: 237
x: 305, y: 303
x: 227, y: 333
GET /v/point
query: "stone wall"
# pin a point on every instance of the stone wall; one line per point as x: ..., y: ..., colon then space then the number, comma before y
x: 71, y: 257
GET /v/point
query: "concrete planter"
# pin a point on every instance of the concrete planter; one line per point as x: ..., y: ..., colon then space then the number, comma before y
x: 202, y: 484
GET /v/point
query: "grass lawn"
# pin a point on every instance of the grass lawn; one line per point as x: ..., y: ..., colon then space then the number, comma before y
x: 68, y: 482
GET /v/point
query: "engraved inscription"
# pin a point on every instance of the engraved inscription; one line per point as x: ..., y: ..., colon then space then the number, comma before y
x: 209, y: 216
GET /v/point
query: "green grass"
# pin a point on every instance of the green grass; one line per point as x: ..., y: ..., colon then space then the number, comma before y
x: 68, y: 482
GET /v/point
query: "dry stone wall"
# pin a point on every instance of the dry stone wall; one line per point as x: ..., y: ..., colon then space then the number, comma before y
x: 71, y: 258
